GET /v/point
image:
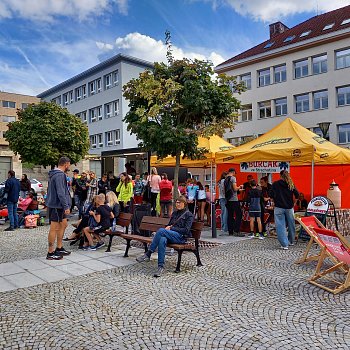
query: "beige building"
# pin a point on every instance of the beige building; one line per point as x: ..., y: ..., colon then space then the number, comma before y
x: 301, y: 72
x: 9, y: 103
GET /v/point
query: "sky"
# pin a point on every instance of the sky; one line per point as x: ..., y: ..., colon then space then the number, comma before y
x: 45, y: 42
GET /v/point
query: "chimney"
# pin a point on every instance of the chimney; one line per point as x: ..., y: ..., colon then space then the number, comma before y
x: 277, y: 28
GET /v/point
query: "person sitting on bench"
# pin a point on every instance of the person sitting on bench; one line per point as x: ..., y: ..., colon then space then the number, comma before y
x: 177, y: 231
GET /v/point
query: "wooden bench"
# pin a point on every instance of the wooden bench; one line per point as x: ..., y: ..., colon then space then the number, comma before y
x: 152, y: 224
x: 123, y: 220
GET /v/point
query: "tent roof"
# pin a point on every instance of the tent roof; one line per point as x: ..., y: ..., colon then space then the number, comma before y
x: 288, y: 141
x: 214, y: 144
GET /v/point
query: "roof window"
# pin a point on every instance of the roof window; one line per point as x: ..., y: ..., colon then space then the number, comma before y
x: 289, y: 38
x: 269, y: 45
x: 328, y: 26
x: 346, y: 21
x: 305, y: 33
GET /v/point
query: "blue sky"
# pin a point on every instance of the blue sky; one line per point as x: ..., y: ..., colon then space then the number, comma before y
x: 45, y: 42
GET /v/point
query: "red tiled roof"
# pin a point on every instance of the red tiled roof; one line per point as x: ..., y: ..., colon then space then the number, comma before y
x: 315, y: 24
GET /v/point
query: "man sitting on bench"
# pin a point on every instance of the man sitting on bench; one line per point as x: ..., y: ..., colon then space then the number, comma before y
x: 177, y: 231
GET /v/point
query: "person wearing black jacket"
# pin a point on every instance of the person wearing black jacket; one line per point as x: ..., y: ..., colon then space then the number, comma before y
x: 103, y: 185
x: 283, y: 192
x: 177, y: 231
x: 12, y: 188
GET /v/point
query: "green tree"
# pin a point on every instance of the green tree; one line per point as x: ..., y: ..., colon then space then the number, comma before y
x: 44, y: 132
x: 177, y: 102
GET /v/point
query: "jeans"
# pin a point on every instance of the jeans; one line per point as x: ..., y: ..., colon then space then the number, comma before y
x: 283, y: 216
x: 79, y: 204
x: 13, y: 217
x: 160, y: 240
x: 223, y: 215
x: 234, y: 216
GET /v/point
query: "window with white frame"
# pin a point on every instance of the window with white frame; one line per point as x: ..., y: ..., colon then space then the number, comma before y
x: 247, y: 113
x: 302, y: 103
x: 281, y: 106
x: 109, y: 138
x: 99, y: 140
x: 78, y: 93
x: 301, y: 69
x: 93, y: 141
x: 280, y: 73
x: 92, y: 87
x: 57, y: 100
x: 320, y: 99
x: 264, y: 109
x: 317, y: 130
x: 264, y: 77
x: 99, y: 113
x: 98, y: 85
x: 319, y: 64
x: 9, y: 104
x: 107, y: 81
x: 25, y: 105
x: 117, y: 136
x: 342, y: 59
x: 93, y: 115
x: 83, y: 116
x: 83, y: 91
x: 70, y: 96
x: 344, y: 133
x: 116, y: 107
x: 343, y: 95
x: 108, y: 110
x: 65, y: 99
x: 8, y: 119
x: 246, y: 79
x: 115, y: 77
x: 233, y: 141
x: 207, y: 177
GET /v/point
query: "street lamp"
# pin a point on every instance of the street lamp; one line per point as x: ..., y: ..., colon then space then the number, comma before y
x: 324, y: 126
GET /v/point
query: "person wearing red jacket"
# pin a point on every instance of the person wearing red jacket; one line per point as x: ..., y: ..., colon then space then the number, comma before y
x: 166, y: 196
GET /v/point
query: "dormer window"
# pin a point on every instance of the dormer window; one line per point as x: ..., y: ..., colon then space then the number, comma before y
x: 268, y: 45
x: 328, y: 26
x: 305, y: 33
x: 289, y: 38
x: 346, y: 21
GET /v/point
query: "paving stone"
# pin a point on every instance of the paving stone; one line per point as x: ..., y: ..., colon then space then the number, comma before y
x: 74, y: 269
x: 24, y: 279
x: 118, y: 260
x: 51, y: 274
x: 96, y: 265
x: 31, y: 264
x: 6, y: 286
x: 10, y: 269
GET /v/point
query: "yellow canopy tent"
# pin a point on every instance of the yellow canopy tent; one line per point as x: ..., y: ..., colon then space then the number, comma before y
x: 214, y: 144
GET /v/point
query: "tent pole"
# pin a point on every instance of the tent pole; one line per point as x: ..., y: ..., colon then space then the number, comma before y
x: 312, y: 176
x: 212, y: 203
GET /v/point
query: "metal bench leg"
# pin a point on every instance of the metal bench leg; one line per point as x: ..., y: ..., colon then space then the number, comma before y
x: 128, y: 241
x: 146, y: 247
x: 179, y: 255
x: 196, y: 253
x: 110, y: 243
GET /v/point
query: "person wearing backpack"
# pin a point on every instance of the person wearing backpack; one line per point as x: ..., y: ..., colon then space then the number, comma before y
x: 234, y: 211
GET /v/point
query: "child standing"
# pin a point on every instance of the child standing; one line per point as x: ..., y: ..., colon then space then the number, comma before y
x: 254, y: 210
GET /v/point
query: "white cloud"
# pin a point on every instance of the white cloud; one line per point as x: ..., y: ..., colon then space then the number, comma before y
x: 47, y: 10
x: 150, y: 49
x: 271, y: 10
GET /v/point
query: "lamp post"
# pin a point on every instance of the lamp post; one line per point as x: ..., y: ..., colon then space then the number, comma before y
x: 324, y: 126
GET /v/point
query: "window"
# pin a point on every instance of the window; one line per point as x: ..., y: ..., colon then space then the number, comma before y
x: 83, y: 117
x: 346, y: 21
x: 108, y: 110
x: 268, y: 45
x: 281, y: 106
x: 328, y: 26
x: 25, y: 105
x: 319, y: 64
x: 92, y: 115
x: 302, y: 103
x: 233, y: 141
x: 117, y: 137
x: 320, y: 99
x: 83, y: 90
x: 9, y: 104
x: 264, y: 109
x: 98, y: 84
x: 343, y: 95
x: 70, y: 96
x: 116, y: 107
x: 305, y: 33
x: 57, y: 100
x: 344, y: 133
x: 99, y: 113
x: 289, y: 38
x: 8, y: 119
x: 301, y: 69
x: 93, y: 141
x: 207, y: 177
x: 108, y: 81
x: 317, y: 130
x: 115, y: 76
x: 280, y: 73
x: 99, y: 140
x: 247, y: 113
x: 109, y: 138
x: 264, y: 77
x: 342, y: 58
x: 92, y: 87
x: 246, y: 79
x: 78, y: 93
x: 65, y: 99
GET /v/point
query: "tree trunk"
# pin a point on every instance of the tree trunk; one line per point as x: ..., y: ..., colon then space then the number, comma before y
x: 176, y: 176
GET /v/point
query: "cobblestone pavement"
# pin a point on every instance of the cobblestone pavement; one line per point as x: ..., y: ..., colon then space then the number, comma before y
x: 248, y: 295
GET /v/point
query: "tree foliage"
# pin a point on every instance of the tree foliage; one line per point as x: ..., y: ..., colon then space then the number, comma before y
x: 44, y: 132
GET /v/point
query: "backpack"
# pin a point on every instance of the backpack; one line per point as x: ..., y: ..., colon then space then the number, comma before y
x: 228, y: 188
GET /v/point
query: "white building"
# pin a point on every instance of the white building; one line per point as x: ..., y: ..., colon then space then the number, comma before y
x: 96, y: 96
x: 301, y: 72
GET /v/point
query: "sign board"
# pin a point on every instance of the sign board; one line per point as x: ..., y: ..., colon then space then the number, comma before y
x: 264, y: 166
x: 318, y: 205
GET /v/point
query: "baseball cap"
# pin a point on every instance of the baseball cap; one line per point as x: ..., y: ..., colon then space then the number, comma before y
x: 76, y: 171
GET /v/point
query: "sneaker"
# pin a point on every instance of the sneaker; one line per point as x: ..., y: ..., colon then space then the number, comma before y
x: 53, y: 256
x: 284, y: 248
x: 257, y: 235
x: 159, y: 271
x: 239, y: 234
x: 251, y: 235
x: 265, y: 234
x: 88, y: 248
x: 261, y: 236
x: 143, y: 258
x: 9, y: 229
x: 81, y: 247
x: 100, y: 245
x: 291, y: 244
x: 62, y: 251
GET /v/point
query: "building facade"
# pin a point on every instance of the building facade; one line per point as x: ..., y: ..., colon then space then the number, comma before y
x: 96, y: 97
x: 9, y: 103
x: 301, y: 72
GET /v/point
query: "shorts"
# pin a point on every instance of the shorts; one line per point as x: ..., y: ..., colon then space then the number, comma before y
x: 56, y: 215
x: 255, y: 214
x: 202, y: 200
x: 99, y: 229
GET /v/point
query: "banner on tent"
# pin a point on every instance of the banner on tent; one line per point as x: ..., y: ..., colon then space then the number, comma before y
x: 318, y: 205
x: 264, y: 166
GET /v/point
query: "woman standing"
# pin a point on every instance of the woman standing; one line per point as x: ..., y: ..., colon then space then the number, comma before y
x: 222, y: 202
x: 201, y: 200
x: 191, y: 192
x: 154, y: 181
x: 91, y: 189
x: 125, y: 190
x: 284, y: 193
x: 265, y: 200
x: 166, y: 196
x: 25, y: 186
